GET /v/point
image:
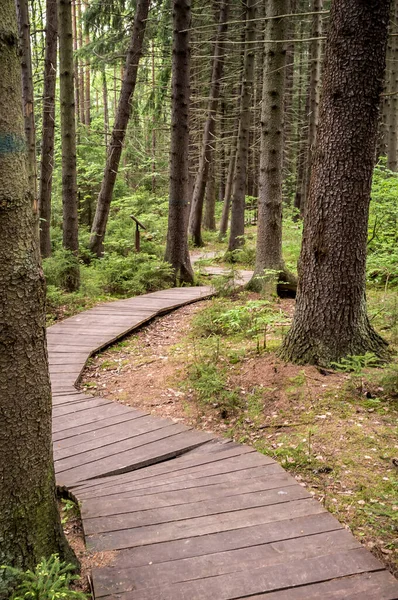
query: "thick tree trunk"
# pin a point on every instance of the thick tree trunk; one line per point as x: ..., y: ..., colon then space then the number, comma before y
x: 27, y: 89
x: 119, y: 129
x: 29, y: 520
x: 237, y: 231
x: 195, y: 222
x: 177, y: 253
x: 68, y: 134
x: 269, y: 267
x: 47, y: 145
x: 330, y: 320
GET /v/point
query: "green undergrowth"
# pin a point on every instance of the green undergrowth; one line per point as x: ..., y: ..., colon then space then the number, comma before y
x: 50, y: 580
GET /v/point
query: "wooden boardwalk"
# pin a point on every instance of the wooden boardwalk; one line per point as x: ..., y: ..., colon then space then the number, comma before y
x: 190, y: 517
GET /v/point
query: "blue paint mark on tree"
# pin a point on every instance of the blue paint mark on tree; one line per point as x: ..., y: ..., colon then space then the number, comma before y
x: 11, y: 143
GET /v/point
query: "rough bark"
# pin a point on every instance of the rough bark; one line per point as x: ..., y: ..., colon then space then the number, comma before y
x: 119, y: 129
x: 177, y: 253
x: 29, y: 520
x: 195, y: 222
x: 70, y: 226
x: 47, y: 144
x: 269, y: 267
x: 106, y: 108
x: 27, y: 89
x: 237, y: 231
x: 330, y: 321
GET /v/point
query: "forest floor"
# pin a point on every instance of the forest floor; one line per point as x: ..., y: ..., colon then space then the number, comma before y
x: 213, y: 365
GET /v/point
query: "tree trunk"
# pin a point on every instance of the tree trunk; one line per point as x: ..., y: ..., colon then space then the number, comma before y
x: 269, y: 267
x: 30, y: 526
x: 313, y: 94
x: 392, y: 121
x: 209, y: 217
x: 68, y: 135
x: 228, y: 187
x: 87, y: 85
x: 237, y: 231
x: 119, y: 129
x: 106, y: 108
x: 330, y: 321
x: 27, y: 89
x: 80, y: 73
x: 47, y: 145
x: 177, y: 253
x: 75, y: 48
x: 195, y: 224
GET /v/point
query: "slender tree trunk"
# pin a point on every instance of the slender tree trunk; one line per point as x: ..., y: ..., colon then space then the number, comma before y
x: 229, y: 182
x: 313, y: 93
x: 47, y: 145
x: 209, y: 217
x: 27, y: 89
x: 68, y: 135
x: 119, y: 128
x: 106, y: 108
x: 177, y: 253
x: 269, y: 267
x: 75, y: 47
x: 288, y: 154
x: 153, y: 132
x: 81, y: 86
x: 237, y: 231
x: 195, y: 224
x: 330, y: 321
x: 87, y: 85
x: 392, y: 120
x: 30, y: 526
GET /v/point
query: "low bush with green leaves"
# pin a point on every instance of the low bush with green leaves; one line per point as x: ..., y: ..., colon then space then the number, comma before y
x: 50, y: 580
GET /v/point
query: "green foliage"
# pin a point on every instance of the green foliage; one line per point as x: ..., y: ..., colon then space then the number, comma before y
x: 382, y: 265
x: 133, y: 274
x: 50, y: 580
x: 209, y: 380
x: 356, y: 364
x: 57, y: 267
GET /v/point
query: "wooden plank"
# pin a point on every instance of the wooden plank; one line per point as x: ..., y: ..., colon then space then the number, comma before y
x: 171, y: 514
x: 366, y: 586
x: 261, y: 580
x: 227, y: 540
x: 118, y: 446
x: 117, y: 580
x: 245, y: 476
x: 181, y: 469
x: 75, y: 407
x: 116, y: 504
x: 97, y: 438
x: 137, y: 457
x: 75, y: 432
x: 90, y: 416
x: 188, y: 528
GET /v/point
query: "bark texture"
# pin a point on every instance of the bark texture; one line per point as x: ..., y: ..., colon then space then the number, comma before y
x: 47, y: 144
x: 119, y: 129
x: 27, y: 89
x: 70, y: 225
x: 177, y: 253
x: 195, y: 222
x: 269, y: 267
x: 392, y: 121
x: 331, y: 320
x: 242, y: 153
x: 29, y: 520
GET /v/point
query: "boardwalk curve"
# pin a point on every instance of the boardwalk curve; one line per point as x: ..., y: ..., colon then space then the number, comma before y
x: 188, y: 515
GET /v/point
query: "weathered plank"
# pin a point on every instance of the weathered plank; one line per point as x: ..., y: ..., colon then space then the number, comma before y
x: 264, y: 579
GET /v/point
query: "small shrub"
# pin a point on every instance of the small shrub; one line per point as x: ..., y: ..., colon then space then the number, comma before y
x: 50, y: 580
